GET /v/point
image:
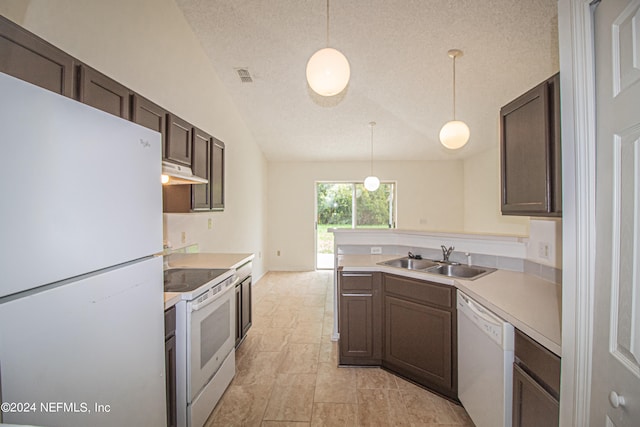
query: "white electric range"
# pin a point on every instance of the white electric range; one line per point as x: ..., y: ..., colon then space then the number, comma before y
x: 205, y: 338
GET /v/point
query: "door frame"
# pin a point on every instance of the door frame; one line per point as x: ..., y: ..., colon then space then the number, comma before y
x: 577, y: 84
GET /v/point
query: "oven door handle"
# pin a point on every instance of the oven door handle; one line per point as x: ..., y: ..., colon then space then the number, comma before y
x: 197, y: 306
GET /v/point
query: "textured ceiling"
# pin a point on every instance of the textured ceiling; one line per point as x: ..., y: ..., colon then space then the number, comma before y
x: 401, y: 75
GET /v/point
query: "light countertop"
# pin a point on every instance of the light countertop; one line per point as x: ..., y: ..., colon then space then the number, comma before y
x: 171, y: 299
x: 529, y: 303
x: 201, y: 260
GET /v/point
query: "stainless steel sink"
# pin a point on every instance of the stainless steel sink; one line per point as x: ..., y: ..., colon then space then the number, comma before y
x: 460, y: 271
x: 410, y: 263
x: 435, y: 267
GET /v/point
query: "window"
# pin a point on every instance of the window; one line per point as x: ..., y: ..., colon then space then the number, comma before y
x: 350, y: 205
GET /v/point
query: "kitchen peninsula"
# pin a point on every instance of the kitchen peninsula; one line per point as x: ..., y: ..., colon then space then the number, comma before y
x: 481, y: 326
x: 524, y: 293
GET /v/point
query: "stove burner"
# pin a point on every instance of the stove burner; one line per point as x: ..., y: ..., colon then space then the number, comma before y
x: 189, y: 279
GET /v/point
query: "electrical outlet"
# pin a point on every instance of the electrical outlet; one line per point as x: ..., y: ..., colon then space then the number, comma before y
x: 543, y: 250
x: 278, y: 252
x: 183, y: 237
x: 210, y: 223
x: 376, y: 250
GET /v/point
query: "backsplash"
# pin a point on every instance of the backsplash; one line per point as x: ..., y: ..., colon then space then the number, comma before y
x: 545, y: 272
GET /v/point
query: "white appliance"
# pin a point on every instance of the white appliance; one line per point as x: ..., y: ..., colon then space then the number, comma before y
x: 205, y: 339
x: 81, y: 294
x: 485, y: 364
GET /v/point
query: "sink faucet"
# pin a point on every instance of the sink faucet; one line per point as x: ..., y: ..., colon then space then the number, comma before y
x: 446, y: 252
x: 414, y: 256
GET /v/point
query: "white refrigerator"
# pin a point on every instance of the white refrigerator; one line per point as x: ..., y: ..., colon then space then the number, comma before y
x: 81, y: 292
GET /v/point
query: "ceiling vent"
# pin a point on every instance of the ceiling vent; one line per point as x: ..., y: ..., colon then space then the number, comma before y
x: 244, y: 75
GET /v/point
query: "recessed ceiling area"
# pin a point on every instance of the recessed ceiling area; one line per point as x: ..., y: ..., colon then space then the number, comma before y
x: 401, y: 75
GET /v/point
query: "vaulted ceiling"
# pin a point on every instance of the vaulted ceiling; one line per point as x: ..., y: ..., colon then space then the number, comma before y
x: 401, y: 75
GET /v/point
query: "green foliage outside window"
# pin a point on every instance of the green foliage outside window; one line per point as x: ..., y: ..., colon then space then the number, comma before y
x: 335, y: 204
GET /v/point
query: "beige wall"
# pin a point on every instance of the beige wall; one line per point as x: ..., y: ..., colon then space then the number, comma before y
x: 148, y: 46
x: 482, y: 197
x: 429, y: 197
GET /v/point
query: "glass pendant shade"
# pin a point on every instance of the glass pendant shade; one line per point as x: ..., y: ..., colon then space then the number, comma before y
x: 328, y: 72
x: 371, y: 183
x: 454, y: 134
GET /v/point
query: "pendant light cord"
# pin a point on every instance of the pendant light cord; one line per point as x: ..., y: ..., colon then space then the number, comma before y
x: 372, y: 124
x: 327, y: 23
x: 454, y: 88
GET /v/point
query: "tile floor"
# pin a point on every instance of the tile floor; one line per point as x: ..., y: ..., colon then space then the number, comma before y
x: 287, y: 373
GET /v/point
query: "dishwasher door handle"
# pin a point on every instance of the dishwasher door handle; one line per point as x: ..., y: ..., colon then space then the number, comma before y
x: 500, y: 331
x: 483, y: 314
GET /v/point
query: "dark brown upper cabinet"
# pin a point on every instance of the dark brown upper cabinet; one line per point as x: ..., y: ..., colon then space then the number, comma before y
x: 179, y: 140
x: 201, y: 166
x: 25, y: 56
x: 216, y: 181
x: 200, y: 197
x: 101, y: 92
x: 530, y: 148
x: 149, y: 115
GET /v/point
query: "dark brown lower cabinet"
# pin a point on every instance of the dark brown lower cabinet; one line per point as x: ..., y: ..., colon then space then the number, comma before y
x: 243, y: 309
x: 238, y: 315
x: 245, y: 319
x: 360, y: 318
x: 420, y: 332
x: 418, y: 343
x: 536, y: 384
x: 405, y: 325
x: 170, y: 365
x: 533, y: 406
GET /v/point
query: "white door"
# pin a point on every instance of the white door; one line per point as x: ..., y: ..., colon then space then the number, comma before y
x: 615, y: 389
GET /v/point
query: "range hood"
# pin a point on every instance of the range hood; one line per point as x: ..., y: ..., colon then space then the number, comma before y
x: 173, y: 174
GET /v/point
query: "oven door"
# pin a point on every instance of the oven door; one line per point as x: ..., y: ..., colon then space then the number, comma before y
x: 211, y: 338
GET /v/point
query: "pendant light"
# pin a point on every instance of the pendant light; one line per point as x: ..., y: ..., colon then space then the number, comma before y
x: 328, y: 70
x: 454, y: 134
x: 372, y: 183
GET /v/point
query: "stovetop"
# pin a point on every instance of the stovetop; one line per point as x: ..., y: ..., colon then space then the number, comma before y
x: 190, y: 279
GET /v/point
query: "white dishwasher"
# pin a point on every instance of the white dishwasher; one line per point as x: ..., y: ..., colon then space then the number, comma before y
x: 485, y: 364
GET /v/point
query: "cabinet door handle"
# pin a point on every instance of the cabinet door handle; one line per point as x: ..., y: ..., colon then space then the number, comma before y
x: 356, y: 274
x: 356, y: 295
